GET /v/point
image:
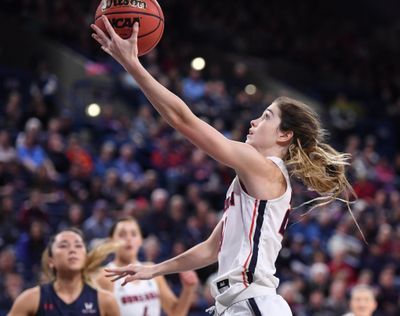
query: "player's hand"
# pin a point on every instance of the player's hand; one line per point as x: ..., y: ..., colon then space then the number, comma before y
x: 122, y: 50
x: 131, y: 272
x: 189, y: 278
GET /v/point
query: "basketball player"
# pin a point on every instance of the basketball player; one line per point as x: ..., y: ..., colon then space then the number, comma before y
x: 247, y: 240
x: 69, y: 293
x: 362, y: 301
x: 144, y: 297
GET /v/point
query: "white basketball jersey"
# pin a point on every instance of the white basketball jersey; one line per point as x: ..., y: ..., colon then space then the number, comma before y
x: 141, y: 298
x: 251, y: 239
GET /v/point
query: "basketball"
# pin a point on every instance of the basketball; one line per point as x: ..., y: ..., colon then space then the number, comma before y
x: 122, y: 14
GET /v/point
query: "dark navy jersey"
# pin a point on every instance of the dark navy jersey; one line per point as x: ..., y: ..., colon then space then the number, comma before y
x: 51, y: 305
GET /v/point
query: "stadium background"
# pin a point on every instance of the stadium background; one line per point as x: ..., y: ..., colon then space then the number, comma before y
x: 86, y: 170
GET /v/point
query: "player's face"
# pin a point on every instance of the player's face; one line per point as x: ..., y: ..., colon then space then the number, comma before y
x: 264, y: 131
x: 129, y: 233
x: 68, y: 252
x: 362, y: 303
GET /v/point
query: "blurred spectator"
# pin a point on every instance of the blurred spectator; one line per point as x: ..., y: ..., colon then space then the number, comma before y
x: 98, y: 224
x: 319, y: 277
x: 11, y: 118
x: 31, y: 154
x: 128, y: 169
x: 45, y: 85
x: 75, y: 218
x: 33, y: 209
x: 193, y: 86
x: 13, y: 286
x: 151, y: 249
x: 29, y: 249
x: 79, y: 157
x: 177, y: 211
x: 315, y: 306
x: 388, y: 292
x: 105, y: 160
x: 7, y: 264
x: 56, y: 153
x: 7, y: 151
x: 362, y: 301
x: 157, y: 222
x: 8, y: 221
x: 336, y: 302
x: 292, y: 296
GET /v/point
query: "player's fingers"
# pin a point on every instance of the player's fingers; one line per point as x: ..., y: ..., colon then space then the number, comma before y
x: 98, y: 39
x: 116, y: 270
x: 127, y: 280
x: 100, y: 33
x: 108, y: 26
x: 135, y: 31
x: 107, y: 50
x: 118, y: 277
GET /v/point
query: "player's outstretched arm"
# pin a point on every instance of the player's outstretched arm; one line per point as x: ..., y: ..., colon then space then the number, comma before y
x: 237, y: 155
x: 196, y: 257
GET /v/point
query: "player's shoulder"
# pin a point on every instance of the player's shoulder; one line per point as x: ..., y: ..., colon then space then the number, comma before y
x: 104, y: 295
x: 31, y: 294
x: 27, y: 302
x: 107, y: 302
x: 103, y: 282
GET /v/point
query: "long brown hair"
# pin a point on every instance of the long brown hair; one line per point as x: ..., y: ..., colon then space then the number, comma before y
x: 94, y: 258
x: 309, y: 158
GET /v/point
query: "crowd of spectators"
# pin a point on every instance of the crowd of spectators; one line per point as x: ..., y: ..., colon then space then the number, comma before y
x: 56, y: 173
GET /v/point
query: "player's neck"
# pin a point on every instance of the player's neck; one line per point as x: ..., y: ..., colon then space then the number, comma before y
x: 276, y: 151
x: 69, y: 285
x: 119, y: 262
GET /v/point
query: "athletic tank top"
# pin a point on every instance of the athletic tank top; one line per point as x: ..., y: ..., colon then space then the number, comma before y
x: 139, y: 298
x: 51, y: 305
x: 250, y: 242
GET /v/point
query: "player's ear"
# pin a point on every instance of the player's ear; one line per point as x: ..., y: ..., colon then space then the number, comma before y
x: 285, y: 136
x: 50, y: 263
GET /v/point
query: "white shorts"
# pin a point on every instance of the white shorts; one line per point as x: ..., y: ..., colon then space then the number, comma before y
x: 271, y: 305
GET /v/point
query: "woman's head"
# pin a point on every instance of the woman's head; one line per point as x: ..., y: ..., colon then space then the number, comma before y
x: 66, y: 252
x: 320, y: 167
x: 265, y: 134
x: 127, y: 231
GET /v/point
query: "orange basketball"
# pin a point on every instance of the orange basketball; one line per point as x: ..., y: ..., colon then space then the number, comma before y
x: 122, y: 14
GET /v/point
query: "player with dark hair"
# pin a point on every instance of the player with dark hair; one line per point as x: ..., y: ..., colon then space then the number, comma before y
x: 68, y: 265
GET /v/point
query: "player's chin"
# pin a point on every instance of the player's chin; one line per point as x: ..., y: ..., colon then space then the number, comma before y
x: 129, y: 256
x: 248, y: 139
x: 75, y: 265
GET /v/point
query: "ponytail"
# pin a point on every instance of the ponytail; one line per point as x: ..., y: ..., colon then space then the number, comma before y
x: 309, y: 158
x: 321, y: 168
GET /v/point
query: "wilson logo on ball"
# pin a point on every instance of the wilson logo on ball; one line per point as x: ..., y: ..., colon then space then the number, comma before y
x: 106, y: 4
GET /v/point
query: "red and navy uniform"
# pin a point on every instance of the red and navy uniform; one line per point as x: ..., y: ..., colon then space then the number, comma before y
x: 52, y: 305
